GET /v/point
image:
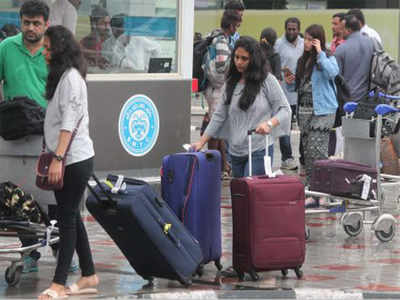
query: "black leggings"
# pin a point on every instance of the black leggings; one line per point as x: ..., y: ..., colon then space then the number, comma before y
x: 72, y: 231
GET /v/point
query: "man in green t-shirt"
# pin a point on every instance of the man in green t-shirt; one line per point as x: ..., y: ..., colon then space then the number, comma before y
x: 23, y: 69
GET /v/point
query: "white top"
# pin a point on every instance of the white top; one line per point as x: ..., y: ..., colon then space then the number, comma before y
x: 62, y: 12
x: 63, y: 112
x: 134, y: 56
x: 289, y: 53
x: 371, y: 33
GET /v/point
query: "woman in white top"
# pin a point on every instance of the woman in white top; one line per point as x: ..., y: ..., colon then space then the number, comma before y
x: 66, y: 93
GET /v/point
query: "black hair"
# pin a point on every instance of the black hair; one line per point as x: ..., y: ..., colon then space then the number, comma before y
x: 117, y: 21
x: 339, y: 15
x: 292, y: 20
x: 235, y: 4
x: 97, y: 14
x: 65, y: 54
x: 304, y: 68
x: 230, y: 17
x: 358, y: 14
x: 267, y: 40
x: 35, y: 8
x: 352, y: 23
x: 254, y: 75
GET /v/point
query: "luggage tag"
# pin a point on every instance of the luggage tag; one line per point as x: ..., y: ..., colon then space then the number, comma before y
x: 119, y: 186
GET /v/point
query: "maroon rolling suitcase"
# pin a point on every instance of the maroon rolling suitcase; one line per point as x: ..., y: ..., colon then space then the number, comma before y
x: 343, y: 178
x: 268, y: 224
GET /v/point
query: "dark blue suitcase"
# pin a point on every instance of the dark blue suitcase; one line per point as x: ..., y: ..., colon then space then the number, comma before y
x: 191, y: 185
x: 146, y: 230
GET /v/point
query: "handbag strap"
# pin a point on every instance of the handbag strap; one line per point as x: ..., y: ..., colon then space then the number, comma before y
x: 70, y: 141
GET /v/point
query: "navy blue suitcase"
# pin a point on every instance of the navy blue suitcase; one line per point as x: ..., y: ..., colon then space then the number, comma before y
x: 146, y: 230
x: 191, y: 185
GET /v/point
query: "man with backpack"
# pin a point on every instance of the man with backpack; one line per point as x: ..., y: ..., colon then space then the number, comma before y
x: 354, y: 58
x: 215, y: 65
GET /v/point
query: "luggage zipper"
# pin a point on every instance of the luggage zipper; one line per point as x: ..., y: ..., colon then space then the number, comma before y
x: 188, y: 188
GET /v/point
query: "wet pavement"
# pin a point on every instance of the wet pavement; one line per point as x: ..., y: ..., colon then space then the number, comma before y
x: 336, y: 267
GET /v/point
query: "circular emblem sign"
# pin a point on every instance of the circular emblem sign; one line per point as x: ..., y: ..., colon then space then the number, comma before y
x: 139, y: 125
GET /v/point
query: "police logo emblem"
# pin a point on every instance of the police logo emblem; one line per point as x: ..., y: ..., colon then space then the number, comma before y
x: 139, y: 125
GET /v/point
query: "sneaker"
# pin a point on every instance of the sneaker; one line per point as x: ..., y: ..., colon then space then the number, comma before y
x: 289, y: 164
x: 311, y: 202
x: 30, y: 265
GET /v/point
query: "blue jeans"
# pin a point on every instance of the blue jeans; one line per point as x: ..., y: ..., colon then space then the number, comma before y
x: 240, y: 164
x: 286, y: 148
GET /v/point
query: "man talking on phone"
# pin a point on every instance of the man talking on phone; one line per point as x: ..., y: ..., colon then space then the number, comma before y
x: 290, y: 47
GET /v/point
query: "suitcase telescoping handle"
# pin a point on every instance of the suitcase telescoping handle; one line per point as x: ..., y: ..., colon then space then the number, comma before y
x: 109, y: 199
x: 249, y: 134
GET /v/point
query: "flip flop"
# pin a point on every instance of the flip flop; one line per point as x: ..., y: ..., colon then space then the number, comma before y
x: 75, y: 290
x: 53, y: 294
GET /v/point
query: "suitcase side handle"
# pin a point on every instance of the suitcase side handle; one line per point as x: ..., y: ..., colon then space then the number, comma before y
x: 109, y: 199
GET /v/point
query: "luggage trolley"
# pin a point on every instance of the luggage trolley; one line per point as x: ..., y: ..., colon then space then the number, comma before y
x: 363, y: 146
x: 11, y: 228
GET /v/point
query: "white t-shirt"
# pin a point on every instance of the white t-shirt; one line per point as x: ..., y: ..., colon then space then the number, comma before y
x: 62, y: 12
x: 371, y: 33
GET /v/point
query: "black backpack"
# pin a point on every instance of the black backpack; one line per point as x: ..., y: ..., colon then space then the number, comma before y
x: 200, y: 48
x: 20, y: 117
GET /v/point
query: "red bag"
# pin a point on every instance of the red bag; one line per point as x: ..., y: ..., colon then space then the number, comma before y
x: 42, y: 173
x: 43, y: 165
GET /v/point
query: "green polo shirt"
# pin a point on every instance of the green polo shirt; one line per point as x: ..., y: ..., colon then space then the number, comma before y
x: 23, y: 74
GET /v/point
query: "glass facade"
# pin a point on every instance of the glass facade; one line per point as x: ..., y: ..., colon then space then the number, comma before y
x: 302, y: 4
x: 117, y: 36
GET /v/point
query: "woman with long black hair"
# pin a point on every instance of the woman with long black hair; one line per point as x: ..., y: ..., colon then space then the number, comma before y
x: 315, y: 75
x: 67, y: 109
x: 253, y: 99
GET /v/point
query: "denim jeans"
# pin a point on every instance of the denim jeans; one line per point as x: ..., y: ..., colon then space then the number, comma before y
x: 240, y: 164
x: 73, y: 234
x: 286, y: 148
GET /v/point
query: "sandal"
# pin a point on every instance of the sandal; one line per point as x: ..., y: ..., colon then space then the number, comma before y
x: 53, y: 294
x: 74, y: 289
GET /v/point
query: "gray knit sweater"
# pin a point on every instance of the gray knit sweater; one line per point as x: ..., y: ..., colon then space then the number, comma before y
x: 232, y: 123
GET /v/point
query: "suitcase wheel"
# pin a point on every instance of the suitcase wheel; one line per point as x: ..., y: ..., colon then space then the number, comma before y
x: 218, y: 264
x: 299, y: 273
x: 254, y: 276
x: 284, y: 272
x: 185, y: 283
x: 200, y: 271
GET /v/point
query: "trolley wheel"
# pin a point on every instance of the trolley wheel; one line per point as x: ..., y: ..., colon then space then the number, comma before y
x: 385, y: 236
x: 284, y: 272
x: 254, y: 276
x: 299, y: 273
x: 307, y: 233
x: 353, y: 231
x: 185, y: 283
x: 240, y: 275
x: 13, y: 275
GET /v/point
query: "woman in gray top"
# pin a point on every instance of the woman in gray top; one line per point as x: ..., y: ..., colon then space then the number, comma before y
x: 66, y: 93
x: 253, y: 99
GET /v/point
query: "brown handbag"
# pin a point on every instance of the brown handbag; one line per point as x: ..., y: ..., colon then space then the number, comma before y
x: 43, y: 165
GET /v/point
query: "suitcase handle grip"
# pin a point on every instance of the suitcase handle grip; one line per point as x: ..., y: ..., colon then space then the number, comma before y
x: 109, y: 199
x: 249, y: 134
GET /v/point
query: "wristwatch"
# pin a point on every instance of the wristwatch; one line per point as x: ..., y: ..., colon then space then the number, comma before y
x: 270, y: 125
x: 58, y: 157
